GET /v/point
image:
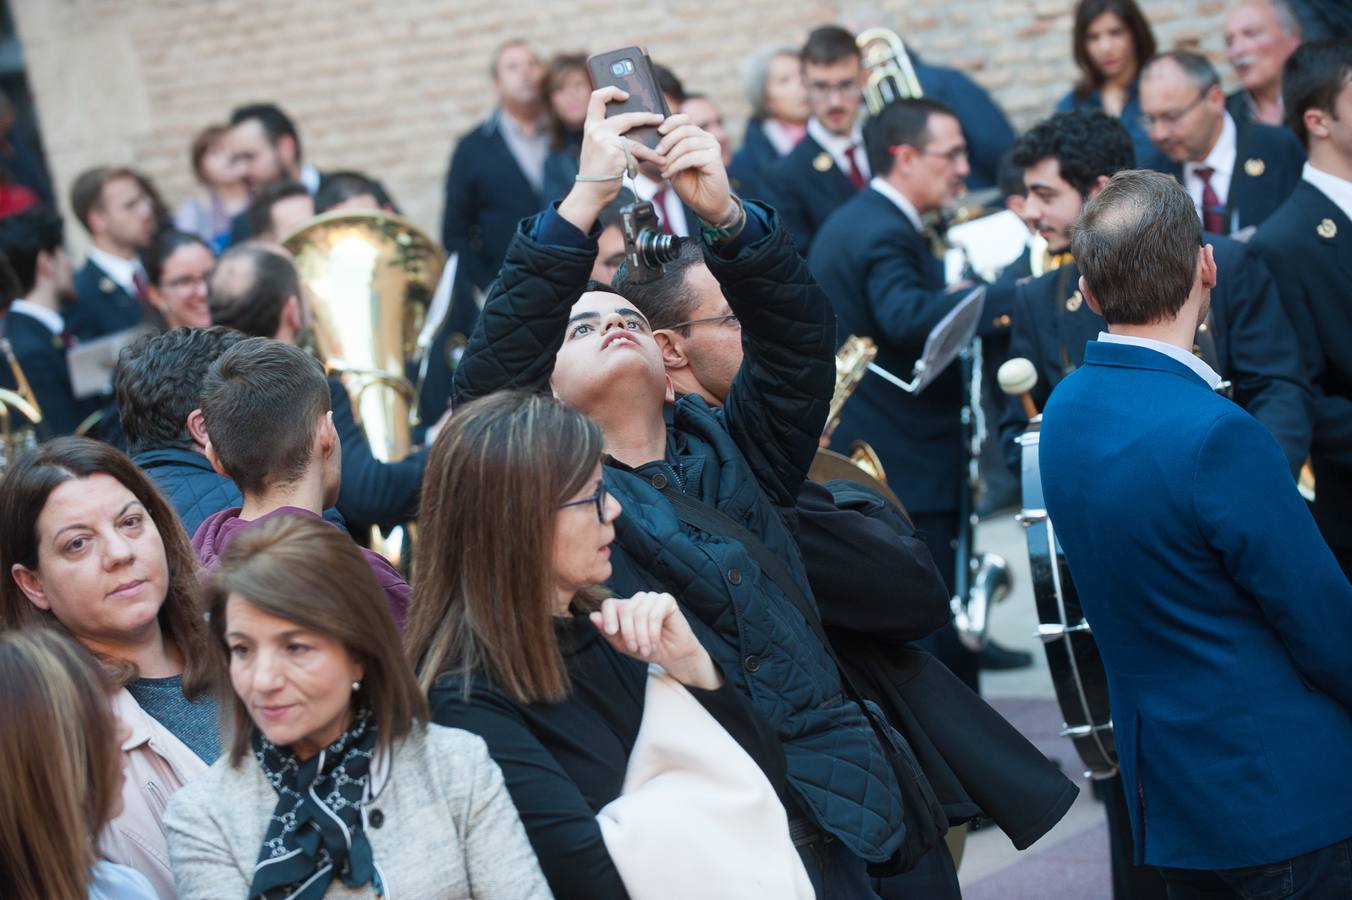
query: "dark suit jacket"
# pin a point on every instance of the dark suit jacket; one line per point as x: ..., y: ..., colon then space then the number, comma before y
x: 101, y: 306
x: 372, y: 492
x: 1308, y: 245
x: 487, y: 196
x: 42, y: 356
x: 751, y: 162
x: 886, y: 284
x: 1254, y: 346
x: 984, y: 125
x: 803, y: 194
x: 1222, y: 618
x: 1277, y: 158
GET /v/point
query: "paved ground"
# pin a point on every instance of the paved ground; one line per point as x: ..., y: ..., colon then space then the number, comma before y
x: 1071, y: 861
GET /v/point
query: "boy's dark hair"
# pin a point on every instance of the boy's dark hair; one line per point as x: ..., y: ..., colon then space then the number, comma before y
x: 669, y: 299
x: 276, y: 124
x: 341, y: 186
x: 261, y: 402
x: 159, y: 382
x: 23, y: 237
x: 828, y: 44
x: 1086, y: 144
x: 260, y: 210
x: 1312, y: 79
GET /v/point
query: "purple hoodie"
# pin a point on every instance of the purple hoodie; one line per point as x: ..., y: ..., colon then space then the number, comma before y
x: 216, y: 533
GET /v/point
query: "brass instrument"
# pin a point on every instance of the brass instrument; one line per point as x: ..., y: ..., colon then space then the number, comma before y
x: 369, y: 278
x: 891, y: 74
x: 853, y: 360
x: 16, y: 439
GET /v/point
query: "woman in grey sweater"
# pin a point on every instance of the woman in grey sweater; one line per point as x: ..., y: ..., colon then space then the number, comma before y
x: 332, y: 784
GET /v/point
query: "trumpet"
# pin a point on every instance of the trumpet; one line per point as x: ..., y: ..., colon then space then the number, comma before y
x: 891, y: 74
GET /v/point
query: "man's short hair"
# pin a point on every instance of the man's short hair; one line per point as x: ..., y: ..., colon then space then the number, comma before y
x: 828, y: 44
x: 1136, y: 245
x: 24, y: 236
x: 276, y: 124
x: 260, y: 210
x: 1009, y: 177
x: 1312, y: 79
x: 261, y: 402
x: 1195, y: 66
x: 159, y: 382
x: 250, y: 287
x: 899, y: 122
x: 669, y: 299
x: 669, y: 84
x: 1086, y: 144
x: 339, y: 187
x: 86, y: 193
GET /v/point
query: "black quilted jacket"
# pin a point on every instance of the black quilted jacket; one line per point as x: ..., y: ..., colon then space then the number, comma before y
x: 748, y: 459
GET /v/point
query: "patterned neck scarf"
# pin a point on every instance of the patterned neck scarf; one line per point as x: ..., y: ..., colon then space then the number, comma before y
x: 315, y: 831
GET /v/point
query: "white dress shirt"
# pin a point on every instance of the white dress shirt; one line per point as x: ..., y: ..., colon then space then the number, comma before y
x: 670, y: 211
x: 1221, y: 160
x: 1178, y: 354
x: 310, y: 178
x: 1339, y: 190
x: 529, y: 150
x: 838, y: 145
x: 53, y: 321
x: 881, y: 185
x: 122, y: 271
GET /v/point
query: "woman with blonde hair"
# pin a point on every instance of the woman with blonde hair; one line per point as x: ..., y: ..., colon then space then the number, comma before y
x: 63, y: 768
x: 90, y: 547
x: 333, y: 784
x: 631, y: 784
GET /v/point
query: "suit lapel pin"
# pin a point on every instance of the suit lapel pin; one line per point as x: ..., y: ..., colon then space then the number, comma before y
x: 106, y: 285
x: 1326, y: 229
x: 823, y: 162
x: 1254, y: 167
x: 1074, y: 301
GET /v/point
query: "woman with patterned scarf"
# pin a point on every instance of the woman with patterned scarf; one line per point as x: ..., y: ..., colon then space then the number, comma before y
x: 333, y: 784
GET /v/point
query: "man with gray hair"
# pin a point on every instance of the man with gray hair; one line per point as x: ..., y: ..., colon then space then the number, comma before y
x: 1238, y: 173
x: 1259, y: 36
x: 1221, y: 615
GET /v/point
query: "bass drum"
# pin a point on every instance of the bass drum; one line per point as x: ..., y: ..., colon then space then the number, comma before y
x: 1078, y: 676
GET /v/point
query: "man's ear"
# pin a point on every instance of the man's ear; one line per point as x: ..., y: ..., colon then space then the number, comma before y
x: 215, y: 460
x: 286, y: 148
x: 1316, y: 123
x: 328, y: 436
x: 673, y: 354
x: 197, y: 428
x: 1206, y: 263
x: 31, y: 585
x: 1090, y: 298
x: 1099, y: 184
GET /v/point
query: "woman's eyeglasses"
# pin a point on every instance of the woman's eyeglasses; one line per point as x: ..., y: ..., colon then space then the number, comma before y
x: 597, y: 499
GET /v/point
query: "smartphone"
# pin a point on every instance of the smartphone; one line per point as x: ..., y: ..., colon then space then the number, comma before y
x: 630, y: 70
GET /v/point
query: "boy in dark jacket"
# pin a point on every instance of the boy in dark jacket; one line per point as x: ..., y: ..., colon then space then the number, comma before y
x: 544, y: 327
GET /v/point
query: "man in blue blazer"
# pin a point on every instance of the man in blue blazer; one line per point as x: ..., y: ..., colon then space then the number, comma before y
x: 1222, y: 617
x: 878, y: 268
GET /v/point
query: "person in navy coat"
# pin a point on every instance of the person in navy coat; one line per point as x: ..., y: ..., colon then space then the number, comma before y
x: 1221, y: 616
x: 1237, y: 174
x: 119, y: 215
x: 1308, y: 245
x: 877, y: 266
x: 779, y: 111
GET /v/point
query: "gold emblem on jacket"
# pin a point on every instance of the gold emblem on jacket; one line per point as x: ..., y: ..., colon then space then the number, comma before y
x: 1326, y: 229
x: 823, y: 162
x: 1254, y: 167
x: 1074, y: 301
x: 106, y: 285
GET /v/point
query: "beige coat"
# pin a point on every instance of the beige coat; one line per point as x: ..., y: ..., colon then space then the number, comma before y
x: 439, y: 820
x: 156, y: 764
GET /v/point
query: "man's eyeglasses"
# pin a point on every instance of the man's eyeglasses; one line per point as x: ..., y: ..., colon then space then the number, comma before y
x: 729, y: 320
x: 1173, y: 117
x: 953, y: 156
x: 844, y: 89
x: 597, y: 499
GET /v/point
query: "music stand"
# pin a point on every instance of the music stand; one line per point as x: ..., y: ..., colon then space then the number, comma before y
x: 945, y: 341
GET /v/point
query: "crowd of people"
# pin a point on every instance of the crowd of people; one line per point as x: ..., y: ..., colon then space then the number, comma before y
x: 636, y: 650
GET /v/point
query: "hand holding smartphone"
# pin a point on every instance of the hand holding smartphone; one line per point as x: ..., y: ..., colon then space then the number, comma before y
x: 630, y: 70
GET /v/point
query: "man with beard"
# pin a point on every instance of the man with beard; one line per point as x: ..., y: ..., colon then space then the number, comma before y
x: 265, y: 143
x: 32, y: 245
x: 110, y: 288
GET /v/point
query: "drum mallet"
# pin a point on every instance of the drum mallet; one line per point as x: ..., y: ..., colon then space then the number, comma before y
x: 1017, y: 378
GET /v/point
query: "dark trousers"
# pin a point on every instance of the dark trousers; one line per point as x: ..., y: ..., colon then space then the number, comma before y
x: 941, y: 535
x: 1320, y: 875
x: 1130, y: 881
x: 933, y: 878
x: 835, y: 872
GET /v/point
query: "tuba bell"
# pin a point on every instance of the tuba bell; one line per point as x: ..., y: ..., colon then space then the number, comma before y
x: 369, y: 279
x: 891, y: 74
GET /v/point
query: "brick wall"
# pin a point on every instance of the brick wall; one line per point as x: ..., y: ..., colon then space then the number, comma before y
x: 384, y: 87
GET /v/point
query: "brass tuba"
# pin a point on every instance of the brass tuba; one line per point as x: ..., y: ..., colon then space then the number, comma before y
x: 891, y: 74
x: 15, y: 439
x: 369, y: 278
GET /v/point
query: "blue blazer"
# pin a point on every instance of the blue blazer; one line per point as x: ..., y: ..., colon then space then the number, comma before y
x: 805, y: 187
x: 1222, y: 617
x: 101, y: 306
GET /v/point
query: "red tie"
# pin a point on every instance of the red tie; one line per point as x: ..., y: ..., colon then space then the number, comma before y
x: 660, y: 201
x: 138, y: 282
x: 1213, y: 212
x: 856, y: 174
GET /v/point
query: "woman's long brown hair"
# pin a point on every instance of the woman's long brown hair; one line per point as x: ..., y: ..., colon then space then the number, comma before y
x: 62, y: 765
x: 23, y: 494
x: 1142, y: 38
x: 484, y: 600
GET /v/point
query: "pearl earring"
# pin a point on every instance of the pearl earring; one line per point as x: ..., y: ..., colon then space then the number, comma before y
x: 356, y: 686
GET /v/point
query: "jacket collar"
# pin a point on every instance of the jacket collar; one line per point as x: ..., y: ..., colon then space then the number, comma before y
x: 1133, y: 356
x: 172, y: 455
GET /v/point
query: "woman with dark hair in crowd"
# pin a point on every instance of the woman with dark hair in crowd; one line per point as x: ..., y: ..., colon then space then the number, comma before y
x: 1111, y: 41
x: 177, y: 266
x: 224, y: 192
x: 60, y: 754
x: 515, y: 637
x: 333, y: 784
x: 567, y: 90
x: 89, y: 546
